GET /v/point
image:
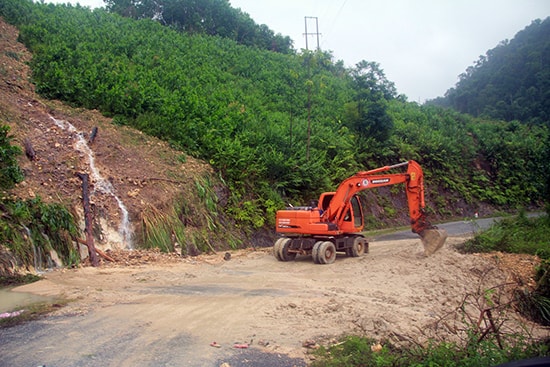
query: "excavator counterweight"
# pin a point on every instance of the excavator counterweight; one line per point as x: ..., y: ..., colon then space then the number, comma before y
x: 334, y: 223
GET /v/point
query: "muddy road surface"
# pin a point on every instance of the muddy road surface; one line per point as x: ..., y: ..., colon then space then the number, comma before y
x: 250, y: 310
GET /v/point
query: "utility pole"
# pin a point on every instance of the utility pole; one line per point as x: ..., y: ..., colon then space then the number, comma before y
x: 312, y: 34
x: 309, y: 76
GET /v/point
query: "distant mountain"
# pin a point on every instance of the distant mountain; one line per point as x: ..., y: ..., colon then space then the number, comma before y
x: 510, y: 82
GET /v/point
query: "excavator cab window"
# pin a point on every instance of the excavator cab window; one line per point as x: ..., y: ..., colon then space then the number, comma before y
x: 347, y: 217
x: 357, y: 213
x: 326, y: 201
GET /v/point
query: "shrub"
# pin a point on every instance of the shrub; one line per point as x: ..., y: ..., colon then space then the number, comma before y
x: 10, y: 173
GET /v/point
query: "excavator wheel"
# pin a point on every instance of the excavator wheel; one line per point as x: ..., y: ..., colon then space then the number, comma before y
x: 280, y: 250
x: 277, y: 248
x: 433, y: 239
x: 284, y: 254
x: 357, y: 249
x: 314, y: 252
x: 324, y: 252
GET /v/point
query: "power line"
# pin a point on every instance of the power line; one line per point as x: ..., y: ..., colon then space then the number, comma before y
x: 331, y: 27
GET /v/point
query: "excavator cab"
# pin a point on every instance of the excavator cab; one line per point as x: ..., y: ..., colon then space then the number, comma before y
x: 353, y: 216
x: 353, y: 212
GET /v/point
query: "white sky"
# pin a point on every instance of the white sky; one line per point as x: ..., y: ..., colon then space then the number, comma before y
x: 422, y: 45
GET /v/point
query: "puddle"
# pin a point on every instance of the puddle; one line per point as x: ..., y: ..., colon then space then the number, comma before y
x: 13, y: 301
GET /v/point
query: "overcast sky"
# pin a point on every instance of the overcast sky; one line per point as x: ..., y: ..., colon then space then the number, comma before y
x: 422, y: 45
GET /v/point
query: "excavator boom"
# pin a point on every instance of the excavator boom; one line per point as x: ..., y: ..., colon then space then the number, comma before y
x: 432, y: 238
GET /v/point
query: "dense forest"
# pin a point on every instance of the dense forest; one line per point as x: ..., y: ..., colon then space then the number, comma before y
x: 510, y: 82
x: 279, y: 126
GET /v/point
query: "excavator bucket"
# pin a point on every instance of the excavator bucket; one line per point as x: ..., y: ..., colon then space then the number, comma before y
x: 432, y: 239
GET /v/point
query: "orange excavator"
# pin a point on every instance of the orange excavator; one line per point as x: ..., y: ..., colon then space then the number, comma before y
x: 334, y: 223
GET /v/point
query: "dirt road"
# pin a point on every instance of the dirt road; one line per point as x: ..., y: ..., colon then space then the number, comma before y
x: 169, y: 314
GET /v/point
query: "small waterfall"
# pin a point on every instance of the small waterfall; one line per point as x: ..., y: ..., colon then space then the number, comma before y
x: 36, y: 251
x: 100, y: 183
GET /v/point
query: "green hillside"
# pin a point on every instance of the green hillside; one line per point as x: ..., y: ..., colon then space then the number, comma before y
x: 510, y: 82
x: 278, y: 127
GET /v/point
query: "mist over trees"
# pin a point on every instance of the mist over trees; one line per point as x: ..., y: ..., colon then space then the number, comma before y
x: 279, y: 127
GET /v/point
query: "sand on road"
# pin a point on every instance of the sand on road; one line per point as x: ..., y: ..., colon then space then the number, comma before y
x: 168, y: 314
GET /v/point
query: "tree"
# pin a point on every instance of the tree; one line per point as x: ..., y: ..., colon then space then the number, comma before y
x: 211, y: 17
x: 367, y: 114
x: 370, y: 79
x: 10, y: 173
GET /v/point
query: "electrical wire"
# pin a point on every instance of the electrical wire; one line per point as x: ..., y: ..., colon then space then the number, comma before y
x: 331, y: 27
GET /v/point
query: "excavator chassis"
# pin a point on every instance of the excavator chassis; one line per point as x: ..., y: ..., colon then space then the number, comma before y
x: 323, y: 249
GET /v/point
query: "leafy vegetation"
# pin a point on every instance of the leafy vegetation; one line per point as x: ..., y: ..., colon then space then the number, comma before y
x: 279, y: 127
x: 188, y: 227
x: 10, y: 173
x: 358, y: 351
x: 510, y: 82
x: 210, y: 17
x: 536, y: 303
x: 31, y: 229
x: 520, y: 235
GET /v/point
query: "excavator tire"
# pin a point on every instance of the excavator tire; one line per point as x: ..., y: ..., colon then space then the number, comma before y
x: 432, y: 240
x: 326, y: 253
x: 277, y: 248
x: 315, y: 251
x: 357, y: 249
x: 284, y: 254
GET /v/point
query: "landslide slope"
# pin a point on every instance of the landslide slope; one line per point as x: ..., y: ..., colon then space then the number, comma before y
x: 152, y: 180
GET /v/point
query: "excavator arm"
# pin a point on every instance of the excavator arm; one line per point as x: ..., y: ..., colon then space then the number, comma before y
x: 413, y: 178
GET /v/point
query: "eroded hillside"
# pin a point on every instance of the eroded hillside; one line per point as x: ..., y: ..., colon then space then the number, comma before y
x: 143, y: 174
